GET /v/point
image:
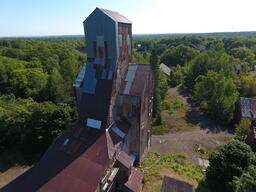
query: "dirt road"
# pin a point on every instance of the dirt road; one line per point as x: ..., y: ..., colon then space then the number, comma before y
x: 196, y: 140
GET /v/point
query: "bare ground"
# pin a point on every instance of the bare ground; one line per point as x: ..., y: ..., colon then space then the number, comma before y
x: 11, y: 173
x: 14, y: 163
x: 197, y: 137
x: 191, y: 133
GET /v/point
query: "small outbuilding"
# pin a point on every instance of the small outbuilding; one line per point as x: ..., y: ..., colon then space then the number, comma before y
x: 167, y: 70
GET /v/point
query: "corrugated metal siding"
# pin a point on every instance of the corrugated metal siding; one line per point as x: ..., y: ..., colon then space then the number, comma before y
x: 136, y: 107
x: 248, y: 107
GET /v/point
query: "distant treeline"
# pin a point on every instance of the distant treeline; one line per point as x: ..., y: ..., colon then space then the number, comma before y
x: 214, y: 34
x: 154, y: 36
x: 215, y: 70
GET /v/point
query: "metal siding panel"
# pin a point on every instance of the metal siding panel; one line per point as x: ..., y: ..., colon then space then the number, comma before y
x: 89, y: 80
x: 80, y: 77
x: 118, y: 132
x: 130, y: 77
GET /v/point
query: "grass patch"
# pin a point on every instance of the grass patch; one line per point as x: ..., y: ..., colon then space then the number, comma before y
x: 178, y: 163
x: 173, y: 115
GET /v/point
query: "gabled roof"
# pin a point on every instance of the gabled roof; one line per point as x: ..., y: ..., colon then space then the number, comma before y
x: 115, y: 16
x: 165, y: 69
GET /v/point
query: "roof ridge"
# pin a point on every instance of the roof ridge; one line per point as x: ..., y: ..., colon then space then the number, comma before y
x: 110, y: 145
x: 116, y: 16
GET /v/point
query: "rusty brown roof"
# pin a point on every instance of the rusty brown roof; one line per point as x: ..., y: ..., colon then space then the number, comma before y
x: 173, y: 185
x: 124, y: 159
x: 77, y: 165
x: 137, y: 78
x: 134, y: 182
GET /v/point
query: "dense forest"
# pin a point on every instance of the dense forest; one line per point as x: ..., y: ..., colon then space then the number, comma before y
x: 36, y: 78
x: 36, y: 94
x: 37, y: 99
x: 216, y: 71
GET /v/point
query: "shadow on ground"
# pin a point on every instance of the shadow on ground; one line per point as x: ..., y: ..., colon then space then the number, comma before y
x: 202, y: 187
x: 195, y: 117
x: 15, y: 157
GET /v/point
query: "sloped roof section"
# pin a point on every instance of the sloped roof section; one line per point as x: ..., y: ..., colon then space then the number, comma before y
x: 134, y: 182
x: 76, y: 161
x: 165, y: 69
x: 125, y: 160
x: 115, y: 16
x: 137, y: 78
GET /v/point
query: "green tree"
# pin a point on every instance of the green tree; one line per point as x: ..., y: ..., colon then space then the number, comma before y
x: 29, y: 82
x: 228, y: 161
x: 242, y: 53
x: 178, y: 55
x: 209, y: 60
x: 247, y: 183
x: 57, y: 90
x: 247, y: 86
x: 242, y: 129
x: 140, y: 58
x: 217, y: 96
x: 155, y: 69
x: 30, y: 125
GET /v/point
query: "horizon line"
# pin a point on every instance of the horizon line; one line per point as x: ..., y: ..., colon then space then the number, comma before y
x: 135, y: 34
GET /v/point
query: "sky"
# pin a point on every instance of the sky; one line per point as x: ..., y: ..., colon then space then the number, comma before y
x: 65, y: 17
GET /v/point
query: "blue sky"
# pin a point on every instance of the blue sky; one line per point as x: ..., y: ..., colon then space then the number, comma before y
x: 65, y: 17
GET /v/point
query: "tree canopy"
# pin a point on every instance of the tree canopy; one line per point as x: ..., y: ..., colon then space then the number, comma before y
x: 229, y: 160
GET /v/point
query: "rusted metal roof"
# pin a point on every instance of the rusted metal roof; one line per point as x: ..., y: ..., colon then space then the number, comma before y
x: 137, y: 78
x: 116, y: 138
x: 173, y: 185
x: 134, y: 182
x: 124, y: 159
x: 78, y: 165
x: 115, y: 16
x: 96, y: 106
x: 248, y: 107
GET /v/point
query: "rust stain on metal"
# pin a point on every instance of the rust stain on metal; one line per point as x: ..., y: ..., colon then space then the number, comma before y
x: 134, y: 182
